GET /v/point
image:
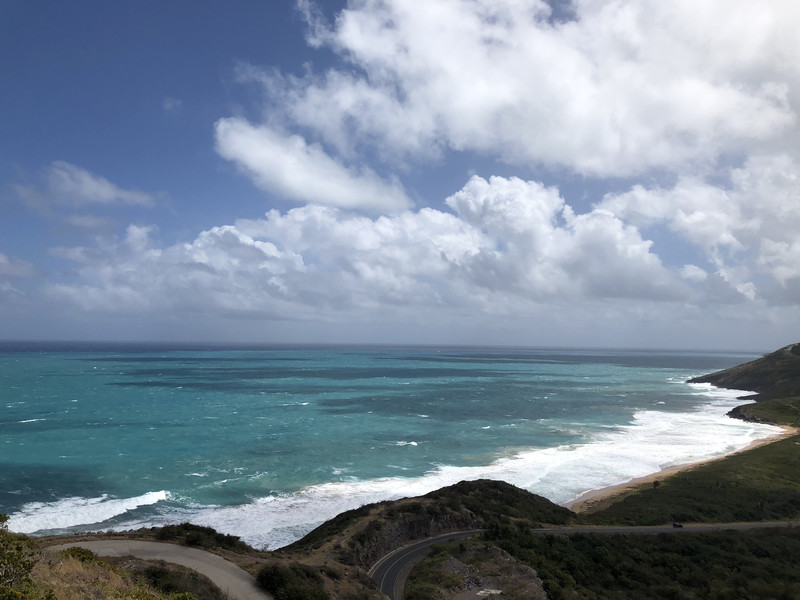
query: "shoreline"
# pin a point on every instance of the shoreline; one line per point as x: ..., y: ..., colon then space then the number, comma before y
x: 596, y: 499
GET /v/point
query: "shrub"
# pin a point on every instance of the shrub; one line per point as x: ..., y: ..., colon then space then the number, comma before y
x: 292, y: 582
x: 81, y: 554
x: 201, y: 537
x: 18, y: 555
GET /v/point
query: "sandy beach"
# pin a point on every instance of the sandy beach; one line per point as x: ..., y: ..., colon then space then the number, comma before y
x: 596, y: 499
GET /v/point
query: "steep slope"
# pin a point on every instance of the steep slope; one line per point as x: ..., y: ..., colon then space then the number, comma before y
x: 776, y: 375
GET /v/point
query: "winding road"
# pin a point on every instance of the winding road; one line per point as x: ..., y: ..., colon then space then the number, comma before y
x: 237, y: 583
x: 391, y: 572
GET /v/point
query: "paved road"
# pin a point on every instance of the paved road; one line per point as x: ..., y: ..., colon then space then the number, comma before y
x: 391, y: 572
x: 236, y: 582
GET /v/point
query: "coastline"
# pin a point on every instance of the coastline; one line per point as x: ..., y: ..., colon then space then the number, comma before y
x: 593, y: 500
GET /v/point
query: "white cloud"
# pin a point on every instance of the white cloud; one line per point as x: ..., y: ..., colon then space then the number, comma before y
x: 11, y: 266
x: 510, y: 245
x: 509, y: 257
x: 13, y: 271
x: 626, y: 87
x: 74, y: 186
x: 701, y: 95
x: 747, y: 228
x: 782, y: 258
x: 693, y: 273
x: 66, y: 191
x: 170, y: 104
x: 287, y: 165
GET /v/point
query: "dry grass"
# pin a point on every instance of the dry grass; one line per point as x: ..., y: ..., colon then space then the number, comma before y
x: 71, y: 579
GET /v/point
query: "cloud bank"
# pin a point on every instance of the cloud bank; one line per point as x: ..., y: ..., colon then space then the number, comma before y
x: 690, y: 110
x: 624, y: 88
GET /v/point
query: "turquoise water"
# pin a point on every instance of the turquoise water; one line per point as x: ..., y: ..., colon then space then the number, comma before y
x: 266, y: 443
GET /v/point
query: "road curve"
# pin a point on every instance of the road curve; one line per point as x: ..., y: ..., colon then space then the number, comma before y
x: 391, y: 572
x: 236, y: 582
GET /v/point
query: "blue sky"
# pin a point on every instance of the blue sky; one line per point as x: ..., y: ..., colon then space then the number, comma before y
x: 455, y: 171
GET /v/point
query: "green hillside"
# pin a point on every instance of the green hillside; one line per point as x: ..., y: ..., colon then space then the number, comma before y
x: 776, y: 375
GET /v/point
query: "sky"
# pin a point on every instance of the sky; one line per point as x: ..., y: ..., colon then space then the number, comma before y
x: 593, y: 173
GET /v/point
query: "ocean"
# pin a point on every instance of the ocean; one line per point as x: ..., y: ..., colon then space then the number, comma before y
x: 266, y: 443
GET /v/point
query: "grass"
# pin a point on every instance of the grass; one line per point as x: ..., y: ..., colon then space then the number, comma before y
x: 758, y: 485
x: 776, y: 375
x: 778, y: 411
x: 76, y: 575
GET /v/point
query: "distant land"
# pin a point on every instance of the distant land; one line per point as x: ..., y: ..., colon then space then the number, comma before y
x: 775, y: 379
x: 775, y: 375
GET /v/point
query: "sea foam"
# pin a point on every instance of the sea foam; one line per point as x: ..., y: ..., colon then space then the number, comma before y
x: 654, y: 440
x: 70, y: 512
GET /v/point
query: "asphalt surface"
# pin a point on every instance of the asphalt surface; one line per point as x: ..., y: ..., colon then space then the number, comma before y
x: 391, y: 572
x: 236, y: 582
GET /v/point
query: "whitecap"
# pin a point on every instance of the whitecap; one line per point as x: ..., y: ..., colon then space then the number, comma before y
x: 652, y: 441
x: 75, y: 511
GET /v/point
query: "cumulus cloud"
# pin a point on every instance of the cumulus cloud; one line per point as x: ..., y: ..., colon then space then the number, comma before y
x: 624, y: 88
x: 507, y: 243
x: 747, y: 228
x: 688, y: 111
x: 290, y: 167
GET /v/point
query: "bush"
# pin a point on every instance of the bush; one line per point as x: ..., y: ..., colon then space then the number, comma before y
x: 292, y: 582
x: 201, y: 537
x: 18, y: 555
x: 81, y: 554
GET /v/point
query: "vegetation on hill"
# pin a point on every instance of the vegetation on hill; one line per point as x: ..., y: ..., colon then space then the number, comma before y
x: 198, y: 536
x: 760, y: 485
x: 778, y: 411
x: 715, y: 565
x: 292, y: 582
x: 344, y: 548
x: 18, y: 556
x: 719, y: 565
x: 776, y: 375
x: 29, y: 573
x: 372, y: 531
